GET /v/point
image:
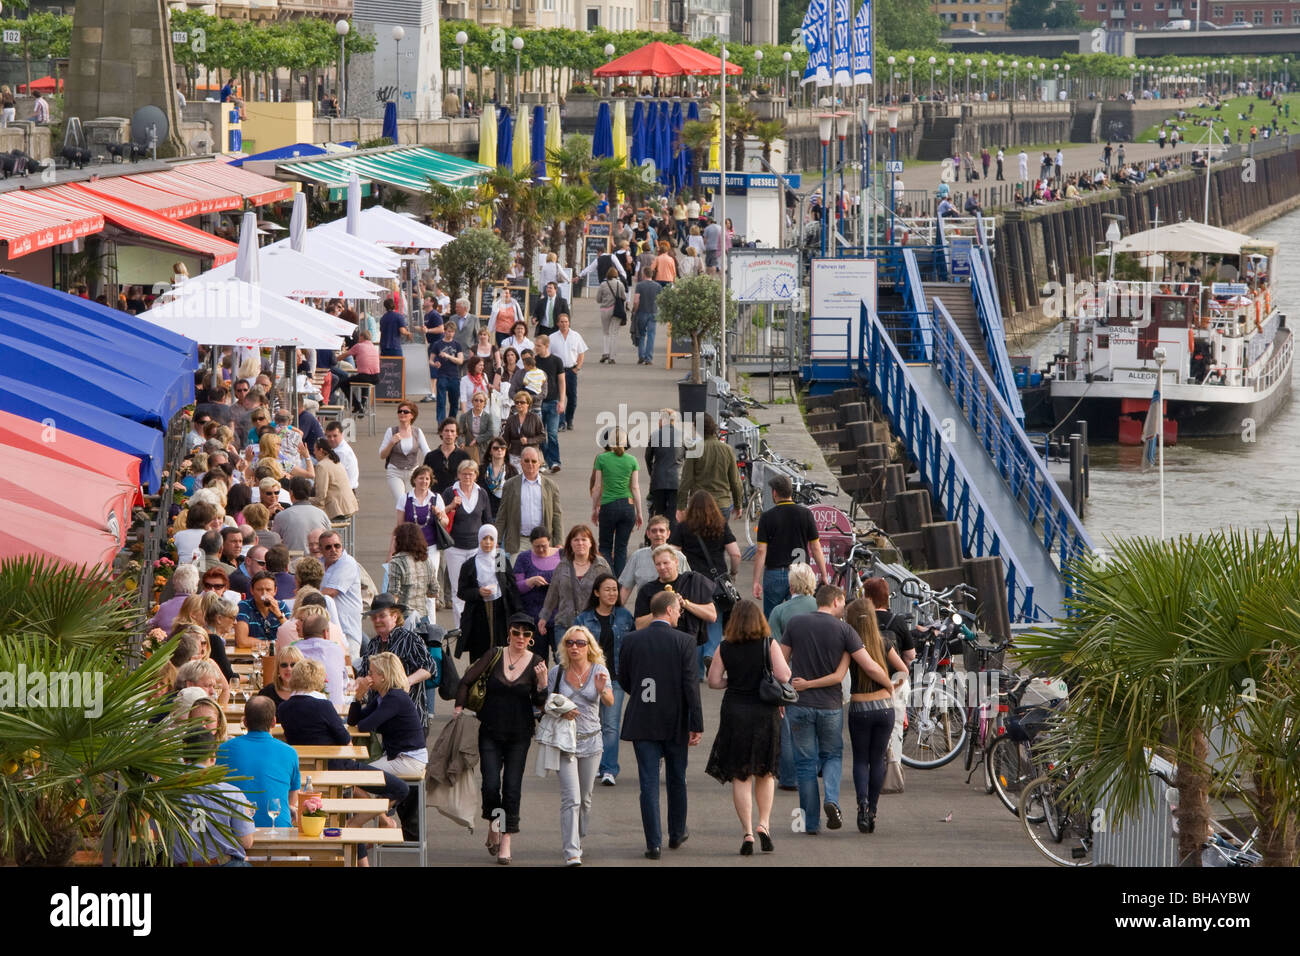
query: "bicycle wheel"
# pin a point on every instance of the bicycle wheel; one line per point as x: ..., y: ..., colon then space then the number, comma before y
x: 935, y: 730
x: 974, y: 740
x: 1007, y: 769
x: 1062, y: 834
x: 752, y: 512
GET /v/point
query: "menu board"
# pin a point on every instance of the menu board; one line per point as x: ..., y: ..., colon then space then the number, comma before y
x: 392, y: 379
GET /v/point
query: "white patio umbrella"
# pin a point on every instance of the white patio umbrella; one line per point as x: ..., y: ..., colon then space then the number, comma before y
x: 384, y: 227
x: 296, y: 275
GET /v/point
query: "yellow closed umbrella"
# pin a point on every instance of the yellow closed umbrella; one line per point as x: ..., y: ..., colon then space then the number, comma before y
x: 554, y: 140
x: 620, y: 130
x: 487, y: 136
x: 714, y: 145
x: 521, y: 160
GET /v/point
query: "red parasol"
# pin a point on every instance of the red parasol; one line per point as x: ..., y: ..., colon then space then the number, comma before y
x: 66, y: 491
x: 660, y: 59
x: 54, y: 443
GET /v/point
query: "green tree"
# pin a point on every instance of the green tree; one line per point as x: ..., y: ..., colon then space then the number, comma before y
x: 1043, y: 14
x: 44, y: 35
x: 449, y: 206
x: 696, y: 136
x: 474, y: 255
x: 693, y: 307
x: 505, y: 190
x: 573, y: 159
x: 906, y: 23
x: 767, y: 133
x: 571, y: 204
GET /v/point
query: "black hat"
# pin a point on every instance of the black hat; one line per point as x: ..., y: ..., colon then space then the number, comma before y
x: 523, y: 619
x: 385, y: 602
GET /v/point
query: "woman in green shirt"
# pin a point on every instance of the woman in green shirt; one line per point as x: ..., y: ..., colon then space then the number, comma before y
x: 615, y: 498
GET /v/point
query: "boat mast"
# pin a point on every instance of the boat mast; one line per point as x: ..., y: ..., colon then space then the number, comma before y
x: 1209, y: 143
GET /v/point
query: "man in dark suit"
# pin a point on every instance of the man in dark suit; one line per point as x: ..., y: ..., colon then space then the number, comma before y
x: 548, y: 309
x: 657, y: 669
x: 528, y: 500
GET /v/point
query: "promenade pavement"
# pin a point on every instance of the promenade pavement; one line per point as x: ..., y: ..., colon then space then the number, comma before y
x: 912, y: 829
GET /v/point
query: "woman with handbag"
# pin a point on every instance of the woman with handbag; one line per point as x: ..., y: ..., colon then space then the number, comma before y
x: 402, y: 448
x: 583, y: 678
x: 424, y: 509
x: 503, y: 688
x: 495, y: 471
x: 610, y: 621
x: 710, y: 546
x: 478, y: 426
x: 748, y: 744
x: 486, y: 588
x: 871, y: 712
x: 611, y: 299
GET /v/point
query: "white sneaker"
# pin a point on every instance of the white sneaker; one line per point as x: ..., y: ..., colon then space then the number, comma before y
x: 607, y: 780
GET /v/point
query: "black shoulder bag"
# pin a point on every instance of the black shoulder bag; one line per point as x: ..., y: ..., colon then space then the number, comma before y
x: 725, y: 594
x: 770, y: 690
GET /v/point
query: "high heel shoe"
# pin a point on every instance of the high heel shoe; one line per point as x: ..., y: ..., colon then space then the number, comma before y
x: 747, y: 847
x: 764, y: 839
x: 862, y: 819
x: 493, y: 845
x: 871, y: 821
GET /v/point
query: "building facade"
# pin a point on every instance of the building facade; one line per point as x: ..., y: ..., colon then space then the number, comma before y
x: 986, y: 16
x: 1155, y: 14
x: 707, y: 18
x: 753, y: 21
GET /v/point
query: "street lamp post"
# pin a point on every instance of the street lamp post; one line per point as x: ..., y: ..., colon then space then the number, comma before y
x: 825, y: 122
x: 1067, y: 81
x: 461, y: 39
x: 609, y: 80
x: 758, y: 64
x: 1042, y: 74
x: 933, y: 61
x: 841, y: 131
x: 893, y: 177
x: 789, y: 73
x: 518, y: 44
x: 398, y: 35
x: 891, y: 61
x: 1015, y: 68
x: 911, y: 62
x: 341, y: 28
x: 967, y: 63
x: 869, y: 159
x: 951, y: 64
x: 1001, y: 73
x: 984, y: 76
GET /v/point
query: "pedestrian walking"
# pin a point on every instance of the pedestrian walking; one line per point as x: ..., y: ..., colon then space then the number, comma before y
x: 746, y: 750
x: 871, y: 712
x: 1001, y: 156
x: 615, y: 498
x: 610, y: 621
x: 787, y: 533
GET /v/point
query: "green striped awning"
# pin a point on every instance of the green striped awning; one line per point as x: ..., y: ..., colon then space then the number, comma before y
x: 406, y: 167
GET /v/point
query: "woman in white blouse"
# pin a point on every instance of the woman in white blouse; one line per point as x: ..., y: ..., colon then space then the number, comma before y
x: 404, y: 446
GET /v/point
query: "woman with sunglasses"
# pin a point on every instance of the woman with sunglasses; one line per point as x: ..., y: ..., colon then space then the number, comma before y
x: 516, y: 686
x: 606, y: 616
x: 485, y: 587
x: 524, y: 428
x: 278, y: 690
x: 403, y: 447
x: 582, y: 677
x: 496, y: 471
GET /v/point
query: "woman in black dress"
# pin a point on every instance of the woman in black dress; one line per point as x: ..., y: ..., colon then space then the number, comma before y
x: 710, y: 546
x: 748, y: 743
x: 487, y: 586
x: 516, y: 684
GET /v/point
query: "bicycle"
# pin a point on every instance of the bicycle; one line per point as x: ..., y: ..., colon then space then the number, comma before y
x: 981, y: 714
x: 935, y: 727
x: 1057, y: 824
x: 1009, y: 760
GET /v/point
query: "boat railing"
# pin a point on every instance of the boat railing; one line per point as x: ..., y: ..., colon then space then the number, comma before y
x: 1278, y: 365
x: 923, y: 231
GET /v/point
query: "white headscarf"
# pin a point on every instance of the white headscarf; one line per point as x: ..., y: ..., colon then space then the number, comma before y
x: 485, y: 563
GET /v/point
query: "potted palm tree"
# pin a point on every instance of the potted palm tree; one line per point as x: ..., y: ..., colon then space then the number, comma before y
x: 693, y: 307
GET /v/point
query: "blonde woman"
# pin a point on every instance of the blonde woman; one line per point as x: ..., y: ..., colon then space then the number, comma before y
x: 583, y: 678
x: 392, y: 714
x: 249, y: 369
x: 278, y: 690
x: 212, y: 715
x: 615, y: 498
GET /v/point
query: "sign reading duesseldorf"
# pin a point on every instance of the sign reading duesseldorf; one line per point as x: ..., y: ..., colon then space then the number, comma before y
x: 749, y: 180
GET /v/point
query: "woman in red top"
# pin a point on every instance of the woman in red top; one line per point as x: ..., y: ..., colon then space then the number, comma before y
x: 505, y: 313
x: 365, y: 356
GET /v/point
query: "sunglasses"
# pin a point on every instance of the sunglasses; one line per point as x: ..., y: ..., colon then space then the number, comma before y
x: 578, y: 643
x: 241, y: 388
x: 403, y: 411
x: 331, y: 547
x: 214, y: 586
x: 285, y: 667
x: 520, y: 632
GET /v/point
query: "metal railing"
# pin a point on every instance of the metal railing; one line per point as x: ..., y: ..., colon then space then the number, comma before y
x: 1058, y: 528
x: 922, y: 433
x: 765, y: 339
x: 989, y: 314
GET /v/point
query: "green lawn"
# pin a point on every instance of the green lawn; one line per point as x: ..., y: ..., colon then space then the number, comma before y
x: 1226, y: 119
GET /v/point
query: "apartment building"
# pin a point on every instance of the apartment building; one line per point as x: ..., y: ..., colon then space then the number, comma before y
x: 1154, y: 14
x: 986, y: 16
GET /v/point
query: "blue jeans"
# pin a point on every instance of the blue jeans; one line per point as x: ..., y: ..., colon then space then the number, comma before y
x: 710, y: 647
x: 448, y: 398
x: 611, y: 719
x: 617, y: 519
x: 551, y: 419
x: 570, y: 396
x: 645, y: 347
x: 818, y: 737
x: 776, y: 588
x: 648, y: 755
x: 787, y: 777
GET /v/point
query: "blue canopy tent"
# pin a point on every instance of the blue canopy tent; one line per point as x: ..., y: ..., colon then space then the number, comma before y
x: 602, y: 143
x: 89, y: 383
x: 292, y: 151
x: 636, y: 151
x: 124, y: 357
x: 389, y: 129
x: 539, y: 142
x: 87, y: 421
x: 679, y: 155
x: 110, y: 323
x: 664, y: 145
x: 505, y: 138
x: 692, y: 116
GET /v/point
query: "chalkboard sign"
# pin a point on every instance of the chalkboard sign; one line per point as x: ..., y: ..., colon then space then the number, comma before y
x: 392, y: 379
x: 594, y: 248
x: 600, y: 228
x: 520, y: 294
x: 487, y: 294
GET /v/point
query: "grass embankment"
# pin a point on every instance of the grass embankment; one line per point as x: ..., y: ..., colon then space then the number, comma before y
x: 1226, y: 121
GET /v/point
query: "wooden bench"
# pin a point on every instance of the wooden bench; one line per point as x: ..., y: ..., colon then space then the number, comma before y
x: 316, y: 851
x: 332, y: 782
x: 312, y: 756
x: 404, y: 852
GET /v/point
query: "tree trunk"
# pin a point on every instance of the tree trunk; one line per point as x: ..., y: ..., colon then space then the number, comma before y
x: 1193, y: 813
x: 571, y: 245
x: 1277, y: 841
x: 695, y: 357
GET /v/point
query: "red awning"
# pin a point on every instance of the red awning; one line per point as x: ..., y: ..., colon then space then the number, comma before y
x: 137, y: 219
x: 138, y: 194
x: 210, y: 198
x: 29, y: 222
x: 63, y: 446
x: 258, y: 190
x: 660, y: 59
x: 28, y: 530
x: 44, y: 85
x: 67, y: 491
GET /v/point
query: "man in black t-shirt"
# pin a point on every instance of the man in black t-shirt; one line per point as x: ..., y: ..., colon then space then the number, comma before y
x: 694, y: 590
x: 553, y: 405
x: 786, y: 533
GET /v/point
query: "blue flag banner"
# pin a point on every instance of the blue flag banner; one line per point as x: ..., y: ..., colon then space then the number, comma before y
x: 1151, y: 430
x: 843, y: 14
x: 816, y: 38
x: 862, y: 45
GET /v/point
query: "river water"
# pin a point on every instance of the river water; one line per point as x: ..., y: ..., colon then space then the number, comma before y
x: 1209, y: 482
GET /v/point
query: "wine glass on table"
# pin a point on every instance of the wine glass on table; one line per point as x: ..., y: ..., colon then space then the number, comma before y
x: 273, y: 808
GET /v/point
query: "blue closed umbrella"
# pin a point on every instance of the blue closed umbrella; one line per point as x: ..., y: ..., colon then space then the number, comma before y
x: 390, y: 122
x: 539, y: 142
x: 665, y: 149
x: 602, y: 143
x: 692, y: 116
x: 638, y: 151
x: 505, y: 137
x: 679, y: 156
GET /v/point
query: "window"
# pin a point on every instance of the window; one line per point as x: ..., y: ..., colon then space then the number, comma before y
x: 1258, y: 17
x: 593, y: 18
x: 1295, y: 19
x: 1136, y: 7
x: 1160, y: 5
x: 996, y: 16
x: 1101, y: 8
x: 1218, y: 11
x: 658, y: 12
x: 1277, y: 18
x: 1238, y: 17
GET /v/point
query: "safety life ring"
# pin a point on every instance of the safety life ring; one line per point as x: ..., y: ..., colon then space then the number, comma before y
x: 1258, y: 325
x: 1191, y: 342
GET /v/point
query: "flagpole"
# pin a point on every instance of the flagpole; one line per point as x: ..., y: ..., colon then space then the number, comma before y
x: 1160, y: 433
x: 722, y: 209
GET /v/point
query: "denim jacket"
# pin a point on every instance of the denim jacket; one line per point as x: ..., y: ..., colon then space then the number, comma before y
x: 621, y: 622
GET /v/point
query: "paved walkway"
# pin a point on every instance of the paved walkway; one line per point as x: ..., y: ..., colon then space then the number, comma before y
x: 911, y: 828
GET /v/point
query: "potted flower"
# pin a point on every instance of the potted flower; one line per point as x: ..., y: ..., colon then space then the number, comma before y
x: 693, y: 307
x: 625, y: 89
x: 311, y: 816
x: 580, y: 89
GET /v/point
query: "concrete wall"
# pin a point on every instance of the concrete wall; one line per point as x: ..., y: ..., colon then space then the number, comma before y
x: 271, y: 125
x: 456, y: 136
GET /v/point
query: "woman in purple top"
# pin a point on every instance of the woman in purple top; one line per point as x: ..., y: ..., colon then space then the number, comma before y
x: 533, y: 570
x: 422, y: 508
